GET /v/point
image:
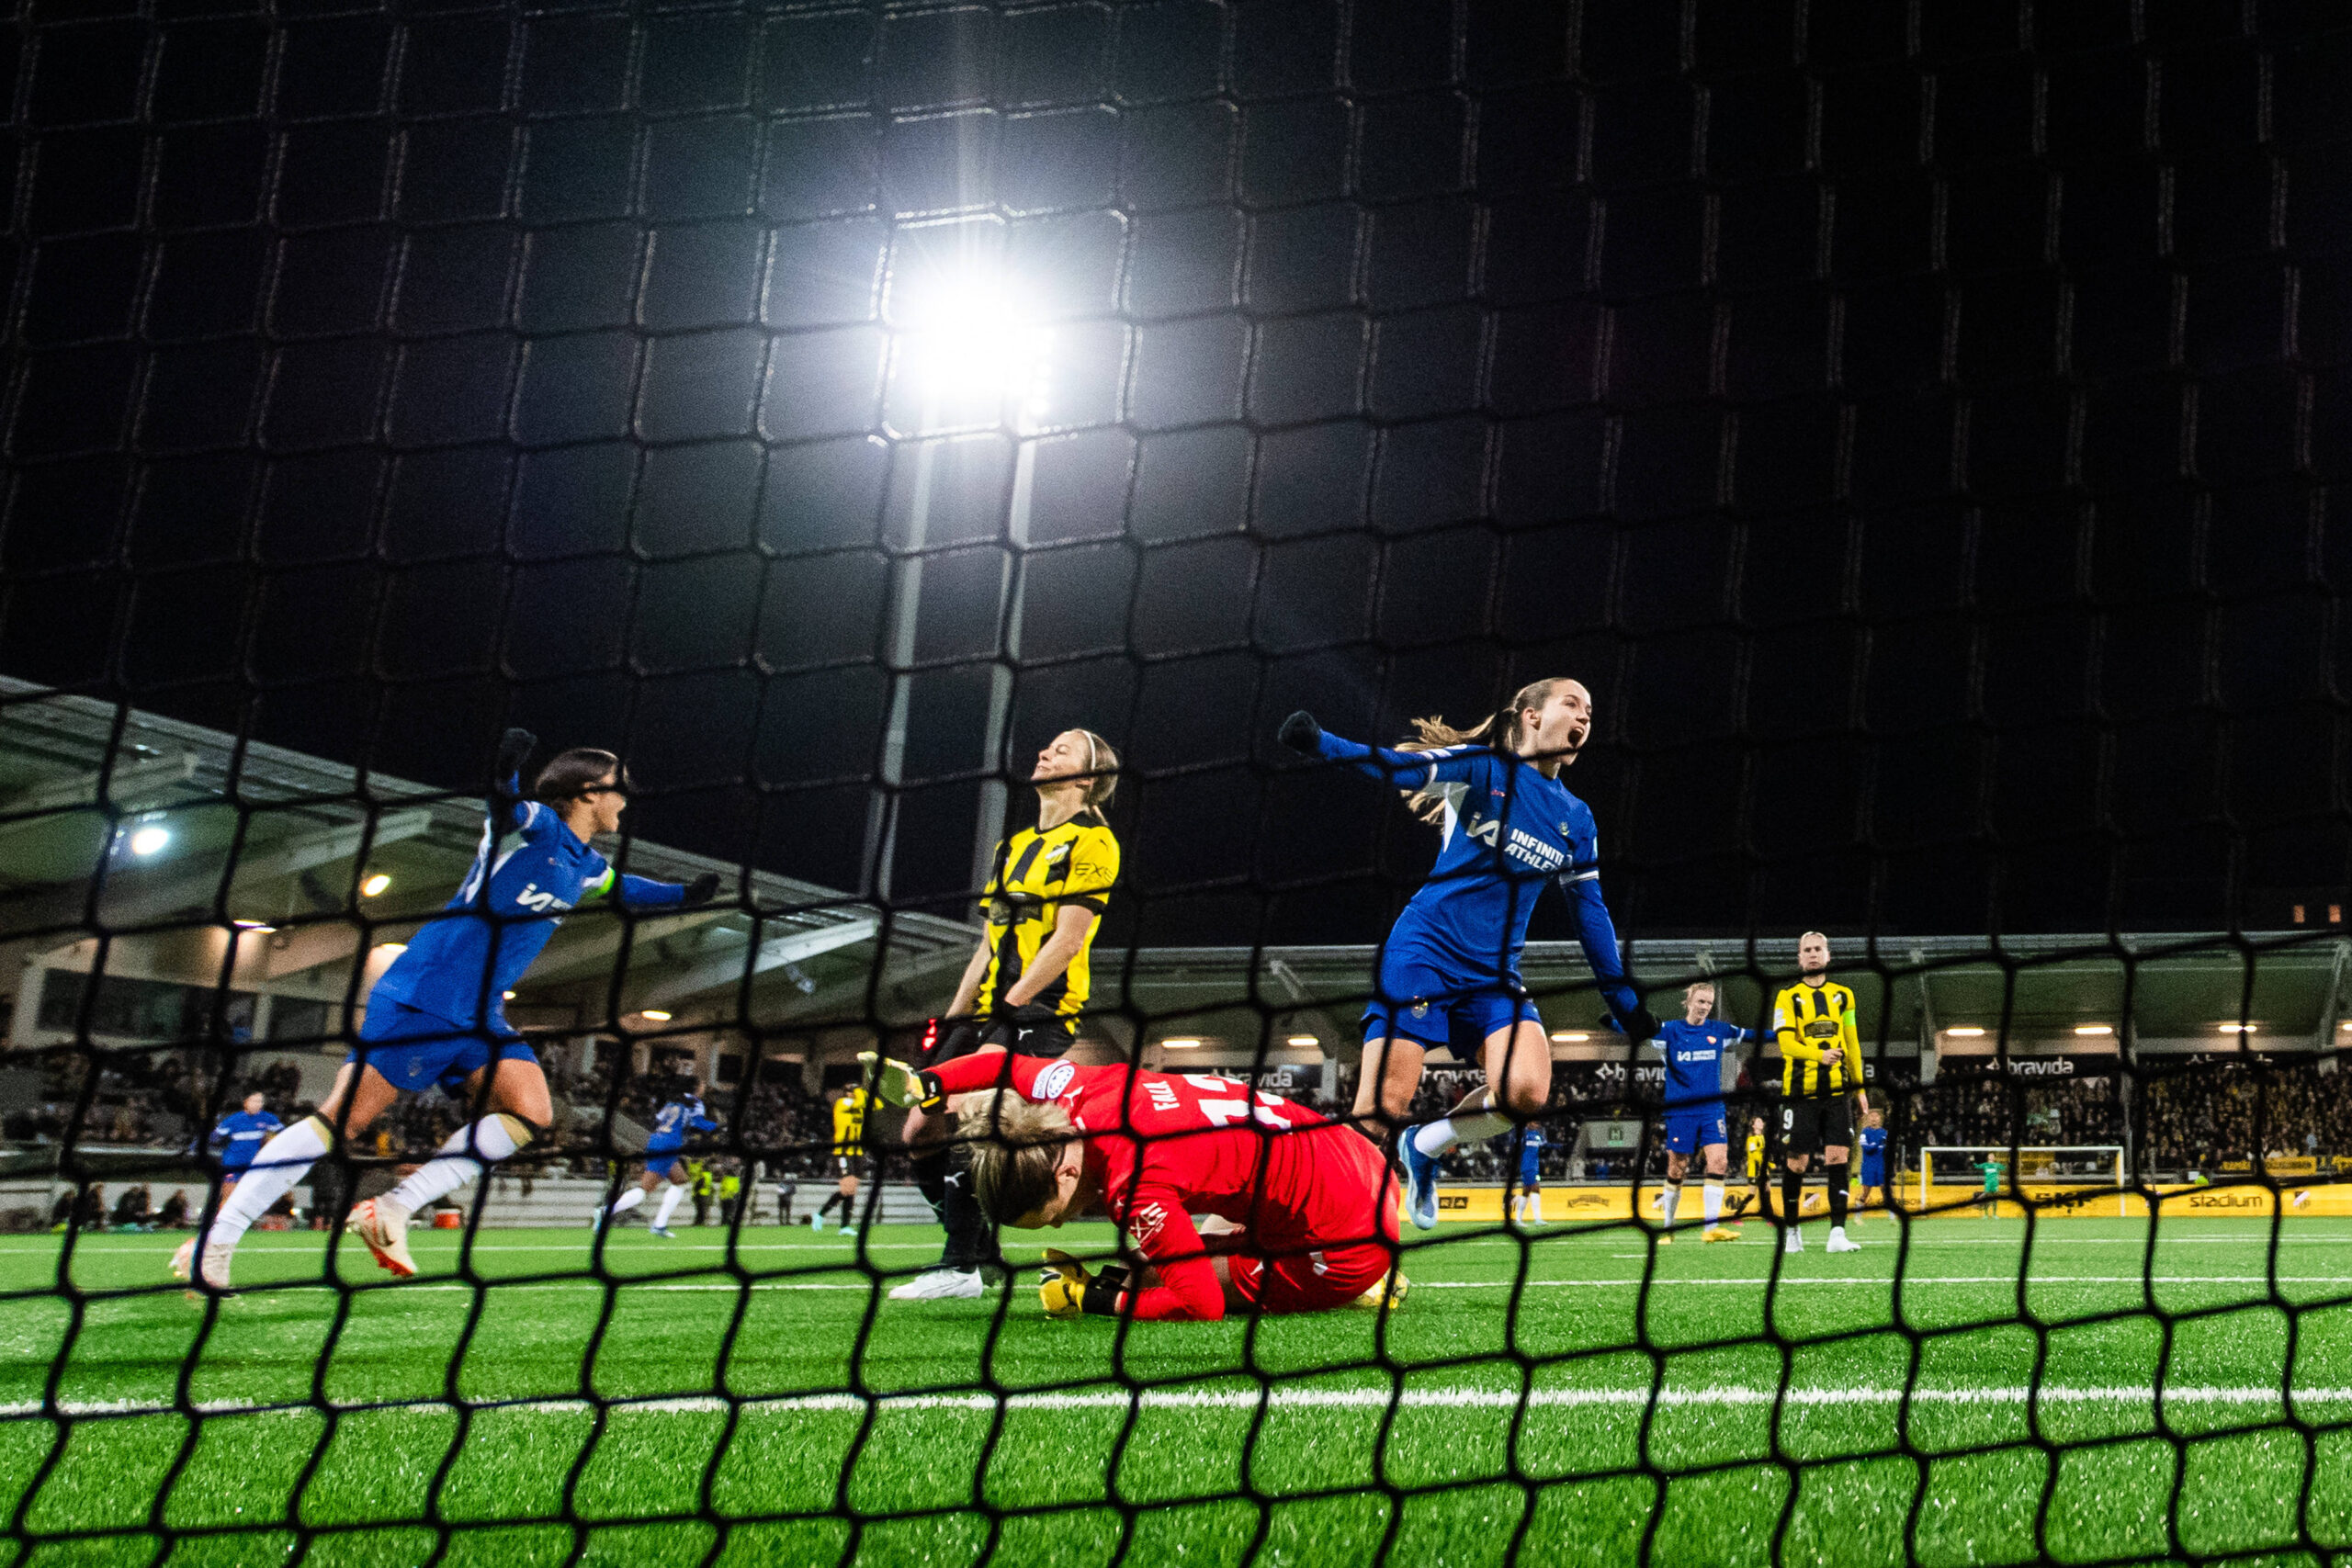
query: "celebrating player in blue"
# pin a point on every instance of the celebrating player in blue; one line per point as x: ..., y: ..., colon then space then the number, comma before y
x: 1449, y: 978
x: 664, y: 1164
x: 1873, y: 1174
x: 439, y: 1010
x: 1694, y: 1048
x: 240, y: 1135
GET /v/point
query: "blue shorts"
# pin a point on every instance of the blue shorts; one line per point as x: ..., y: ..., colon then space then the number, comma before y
x: 414, y: 1050
x: 1692, y: 1128
x: 1873, y: 1173
x: 1418, y: 1001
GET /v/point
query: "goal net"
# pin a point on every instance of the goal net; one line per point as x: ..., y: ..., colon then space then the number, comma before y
x: 831, y: 430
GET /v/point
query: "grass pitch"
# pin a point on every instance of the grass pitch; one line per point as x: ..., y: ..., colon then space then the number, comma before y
x: 1965, y: 1395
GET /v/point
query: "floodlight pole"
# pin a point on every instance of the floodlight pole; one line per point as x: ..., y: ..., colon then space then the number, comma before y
x: 906, y: 609
x: 995, y: 783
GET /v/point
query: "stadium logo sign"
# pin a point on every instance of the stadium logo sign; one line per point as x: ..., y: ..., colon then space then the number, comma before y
x: 2046, y: 1067
x: 1452, y: 1200
x: 2228, y: 1200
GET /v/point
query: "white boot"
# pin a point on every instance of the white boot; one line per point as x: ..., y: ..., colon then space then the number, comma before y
x: 1839, y: 1242
x: 940, y: 1285
x: 1795, y: 1242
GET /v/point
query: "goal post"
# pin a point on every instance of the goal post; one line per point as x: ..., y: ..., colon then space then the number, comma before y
x: 2052, y: 1165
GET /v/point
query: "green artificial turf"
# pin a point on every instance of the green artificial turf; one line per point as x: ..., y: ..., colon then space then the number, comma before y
x: 1532, y: 1397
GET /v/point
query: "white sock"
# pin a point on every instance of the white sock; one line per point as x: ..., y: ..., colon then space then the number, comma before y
x: 670, y: 1193
x: 1668, y: 1200
x: 1711, y: 1199
x: 283, y: 1161
x: 469, y: 1151
x: 1435, y: 1138
x: 624, y: 1202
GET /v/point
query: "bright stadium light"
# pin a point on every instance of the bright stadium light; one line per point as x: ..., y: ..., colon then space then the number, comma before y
x: 654, y: 1015
x: 1302, y: 1040
x: 374, y: 886
x: 390, y: 949
x: 1971, y: 1032
x: 2094, y: 1029
x: 256, y: 926
x: 1180, y: 1044
x: 2237, y: 1028
x: 150, y: 840
x: 973, y: 349
x: 1569, y: 1036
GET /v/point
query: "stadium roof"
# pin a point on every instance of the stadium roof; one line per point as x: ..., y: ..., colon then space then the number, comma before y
x: 277, y: 848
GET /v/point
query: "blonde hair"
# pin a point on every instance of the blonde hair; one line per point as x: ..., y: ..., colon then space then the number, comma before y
x: 1499, y: 729
x: 1016, y: 1144
x: 1695, y: 985
x: 1101, y: 767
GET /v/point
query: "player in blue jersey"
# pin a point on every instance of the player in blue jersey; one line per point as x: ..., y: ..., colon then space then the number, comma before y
x: 1693, y: 1045
x: 1448, y: 976
x: 439, y: 1010
x: 1873, y: 1173
x: 665, y: 1164
x: 239, y: 1135
x: 1527, y: 1197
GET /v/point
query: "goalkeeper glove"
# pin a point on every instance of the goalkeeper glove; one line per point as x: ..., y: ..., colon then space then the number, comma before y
x: 700, y: 891
x: 1641, y: 1026
x: 1302, y: 734
x: 1068, y: 1291
x: 894, y: 1083
x: 513, y: 750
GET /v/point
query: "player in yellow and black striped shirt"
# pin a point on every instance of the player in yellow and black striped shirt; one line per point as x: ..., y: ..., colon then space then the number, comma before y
x: 1821, y: 1064
x: 1029, y: 979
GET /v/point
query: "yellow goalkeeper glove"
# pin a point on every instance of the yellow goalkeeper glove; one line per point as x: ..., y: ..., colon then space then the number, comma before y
x: 1068, y: 1290
x: 894, y: 1083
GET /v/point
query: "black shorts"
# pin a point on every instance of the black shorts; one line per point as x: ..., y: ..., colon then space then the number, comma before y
x: 859, y: 1165
x: 1809, y: 1126
x: 963, y: 1039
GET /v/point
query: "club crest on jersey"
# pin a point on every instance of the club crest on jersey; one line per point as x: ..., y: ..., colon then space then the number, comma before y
x: 1053, y: 1082
x: 1146, y: 1223
x: 1420, y: 1009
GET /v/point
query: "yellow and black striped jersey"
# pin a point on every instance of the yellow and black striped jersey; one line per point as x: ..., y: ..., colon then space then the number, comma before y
x: 1808, y: 1021
x: 849, y: 1122
x: 1037, y: 873
x: 1755, y: 1155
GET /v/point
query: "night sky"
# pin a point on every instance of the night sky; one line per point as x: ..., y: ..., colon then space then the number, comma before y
x: 1920, y: 432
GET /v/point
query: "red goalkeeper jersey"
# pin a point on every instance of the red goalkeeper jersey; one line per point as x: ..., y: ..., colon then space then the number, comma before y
x: 1167, y: 1147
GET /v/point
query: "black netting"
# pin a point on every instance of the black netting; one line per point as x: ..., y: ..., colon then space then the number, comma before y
x: 1917, y: 425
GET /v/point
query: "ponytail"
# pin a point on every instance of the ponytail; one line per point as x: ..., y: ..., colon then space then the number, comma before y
x: 1498, y: 729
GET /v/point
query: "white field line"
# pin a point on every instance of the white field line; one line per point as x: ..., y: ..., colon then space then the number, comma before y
x: 1733, y: 1397
x: 1787, y: 1281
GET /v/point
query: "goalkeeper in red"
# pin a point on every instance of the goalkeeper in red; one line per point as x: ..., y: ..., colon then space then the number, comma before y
x: 1300, y: 1213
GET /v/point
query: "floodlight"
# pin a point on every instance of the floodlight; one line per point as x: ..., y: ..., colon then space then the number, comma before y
x: 148, y: 841
x: 374, y: 884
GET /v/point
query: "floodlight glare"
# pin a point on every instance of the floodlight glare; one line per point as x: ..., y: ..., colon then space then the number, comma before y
x: 374, y: 886
x: 972, y: 345
x: 148, y: 840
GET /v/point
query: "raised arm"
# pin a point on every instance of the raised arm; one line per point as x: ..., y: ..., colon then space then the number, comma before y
x: 1597, y: 934
x: 1412, y: 771
x: 644, y: 893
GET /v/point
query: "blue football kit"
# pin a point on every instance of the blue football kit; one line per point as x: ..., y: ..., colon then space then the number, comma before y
x: 670, y: 1125
x: 1694, y: 1081
x: 240, y: 1135
x: 439, y: 1009
x: 1449, y: 972
x: 1873, y: 1143
x: 1530, y: 1158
